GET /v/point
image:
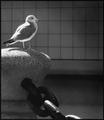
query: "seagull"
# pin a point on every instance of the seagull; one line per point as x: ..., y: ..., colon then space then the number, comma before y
x: 24, y: 32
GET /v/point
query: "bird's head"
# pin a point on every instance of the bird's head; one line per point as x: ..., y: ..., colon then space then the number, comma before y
x: 31, y: 18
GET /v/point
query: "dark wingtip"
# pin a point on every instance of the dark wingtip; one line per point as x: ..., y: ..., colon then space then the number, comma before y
x: 8, y: 41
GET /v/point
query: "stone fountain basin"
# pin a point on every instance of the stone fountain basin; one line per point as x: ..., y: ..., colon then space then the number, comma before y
x: 17, y: 64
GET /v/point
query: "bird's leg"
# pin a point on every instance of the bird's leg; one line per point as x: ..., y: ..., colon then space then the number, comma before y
x: 29, y: 45
x: 23, y: 45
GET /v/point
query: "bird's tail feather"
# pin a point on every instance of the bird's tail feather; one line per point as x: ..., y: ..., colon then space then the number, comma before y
x: 8, y: 42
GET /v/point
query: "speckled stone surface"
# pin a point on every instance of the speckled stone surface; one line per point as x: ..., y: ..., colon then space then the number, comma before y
x: 16, y: 64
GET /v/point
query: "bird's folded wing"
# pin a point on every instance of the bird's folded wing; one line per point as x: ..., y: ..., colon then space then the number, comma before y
x: 19, y: 29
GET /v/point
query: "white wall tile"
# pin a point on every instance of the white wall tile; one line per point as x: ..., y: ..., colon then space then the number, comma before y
x: 79, y: 27
x: 92, y: 13
x: 92, y: 27
x: 92, y: 53
x: 17, y: 4
x: 78, y: 13
x: 5, y: 27
x: 66, y: 41
x: 42, y: 27
x: 54, y: 27
x: 66, y: 14
x: 54, y: 53
x: 79, y: 53
x: 42, y: 4
x: 100, y: 13
x: 54, y: 40
x: 29, y: 4
x: 101, y: 40
x: 42, y: 40
x: 79, y: 40
x: 66, y: 27
x: 66, y: 4
x: 42, y: 14
x: 100, y: 53
x: 92, y: 41
x: 6, y: 14
x: 54, y: 14
x: 18, y: 14
x: 5, y: 37
x: 101, y: 27
x: 6, y: 4
x: 66, y: 53
x: 54, y: 3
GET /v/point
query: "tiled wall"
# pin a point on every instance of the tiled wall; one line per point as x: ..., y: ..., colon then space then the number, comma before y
x: 67, y: 29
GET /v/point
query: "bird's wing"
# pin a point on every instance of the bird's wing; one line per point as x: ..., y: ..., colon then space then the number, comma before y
x: 17, y: 32
x: 25, y: 31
